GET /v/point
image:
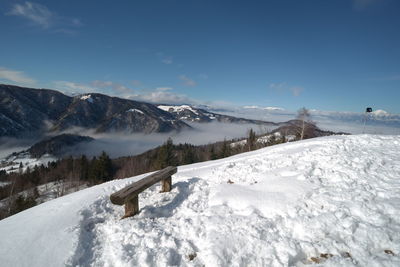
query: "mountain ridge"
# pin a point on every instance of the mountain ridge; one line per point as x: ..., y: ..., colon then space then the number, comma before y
x: 28, y: 111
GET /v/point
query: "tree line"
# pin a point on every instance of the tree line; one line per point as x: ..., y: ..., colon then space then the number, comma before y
x: 70, y: 173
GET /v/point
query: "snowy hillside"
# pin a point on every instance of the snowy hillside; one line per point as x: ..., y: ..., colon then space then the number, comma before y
x: 331, y: 200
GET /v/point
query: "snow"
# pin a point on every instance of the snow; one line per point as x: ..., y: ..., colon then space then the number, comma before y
x: 332, y: 199
x: 135, y: 110
x: 2, y: 184
x: 177, y: 108
x: 12, y: 162
x: 380, y: 112
x: 48, y: 191
x: 239, y: 143
x: 264, y: 139
x: 87, y: 98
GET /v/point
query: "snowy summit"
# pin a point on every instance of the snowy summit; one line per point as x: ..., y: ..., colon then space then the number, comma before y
x: 330, y: 200
x: 87, y: 98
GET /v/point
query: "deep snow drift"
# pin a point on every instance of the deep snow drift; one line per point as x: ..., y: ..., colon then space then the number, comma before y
x: 332, y: 200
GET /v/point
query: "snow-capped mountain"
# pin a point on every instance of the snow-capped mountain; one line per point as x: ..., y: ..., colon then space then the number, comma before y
x: 331, y: 201
x: 194, y: 114
x: 26, y: 111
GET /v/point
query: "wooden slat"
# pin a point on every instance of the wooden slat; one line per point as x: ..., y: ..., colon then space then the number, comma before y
x: 134, y: 189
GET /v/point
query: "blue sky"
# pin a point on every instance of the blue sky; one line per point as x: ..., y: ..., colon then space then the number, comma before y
x: 339, y: 55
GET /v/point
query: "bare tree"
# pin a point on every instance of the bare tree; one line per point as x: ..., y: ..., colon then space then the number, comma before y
x: 304, y: 122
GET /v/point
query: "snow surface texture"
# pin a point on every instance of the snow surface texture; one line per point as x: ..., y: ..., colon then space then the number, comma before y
x: 333, y: 200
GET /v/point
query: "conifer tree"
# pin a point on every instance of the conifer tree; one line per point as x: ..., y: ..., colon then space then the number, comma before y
x: 84, y: 168
x: 213, y: 154
x: 225, y: 149
x: 251, y: 140
x: 104, y: 166
x: 93, y: 171
x: 188, y: 156
x: 165, y: 156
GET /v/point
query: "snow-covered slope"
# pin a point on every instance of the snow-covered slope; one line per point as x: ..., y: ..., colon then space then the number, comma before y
x: 333, y: 200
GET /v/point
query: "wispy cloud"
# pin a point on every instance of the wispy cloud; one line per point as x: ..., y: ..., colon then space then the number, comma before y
x: 15, y: 76
x: 187, y: 81
x: 166, y: 59
x: 164, y: 95
x: 394, y: 78
x: 43, y: 17
x: 115, y: 87
x: 362, y: 4
x: 284, y: 87
x: 73, y: 88
x: 158, y: 95
x: 34, y: 12
x: 105, y: 87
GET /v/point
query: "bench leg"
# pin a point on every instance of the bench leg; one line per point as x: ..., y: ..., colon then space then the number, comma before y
x: 131, y: 207
x: 166, y: 184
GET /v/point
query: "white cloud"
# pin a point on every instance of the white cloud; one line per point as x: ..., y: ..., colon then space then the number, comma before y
x: 34, y: 12
x: 187, y: 81
x: 15, y: 76
x: 72, y: 88
x: 158, y: 95
x: 41, y: 16
x: 284, y: 87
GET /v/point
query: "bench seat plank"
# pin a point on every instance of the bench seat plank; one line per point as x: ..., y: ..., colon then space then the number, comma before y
x: 131, y: 191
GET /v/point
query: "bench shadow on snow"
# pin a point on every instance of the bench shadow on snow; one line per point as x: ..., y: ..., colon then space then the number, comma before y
x: 84, y: 254
x: 184, y: 189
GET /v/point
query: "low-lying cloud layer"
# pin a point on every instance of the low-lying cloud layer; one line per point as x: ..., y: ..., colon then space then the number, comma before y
x: 203, y: 133
x: 117, y: 145
x: 123, y: 145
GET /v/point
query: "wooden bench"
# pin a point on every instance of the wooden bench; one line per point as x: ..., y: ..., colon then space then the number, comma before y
x: 128, y: 195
